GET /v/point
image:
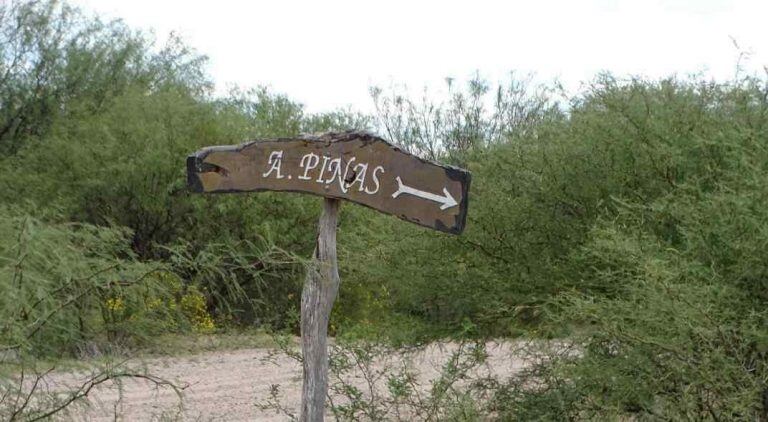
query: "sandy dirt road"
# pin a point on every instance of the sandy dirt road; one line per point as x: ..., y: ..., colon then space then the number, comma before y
x: 226, y: 385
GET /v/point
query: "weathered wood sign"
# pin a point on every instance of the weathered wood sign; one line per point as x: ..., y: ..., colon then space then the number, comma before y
x: 354, y: 166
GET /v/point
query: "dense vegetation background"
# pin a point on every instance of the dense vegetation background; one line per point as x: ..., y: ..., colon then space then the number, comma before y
x: 629, y: 219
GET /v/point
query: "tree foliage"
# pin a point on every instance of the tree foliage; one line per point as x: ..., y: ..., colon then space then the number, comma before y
x: 627, y: 220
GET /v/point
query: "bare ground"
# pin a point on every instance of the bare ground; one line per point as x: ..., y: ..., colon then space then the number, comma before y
x: 226, y: 385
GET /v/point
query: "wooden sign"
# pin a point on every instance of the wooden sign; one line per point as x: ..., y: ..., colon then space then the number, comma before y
x: 354, y: 166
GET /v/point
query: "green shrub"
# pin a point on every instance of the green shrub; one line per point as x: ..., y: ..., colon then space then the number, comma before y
x: 69, y: 287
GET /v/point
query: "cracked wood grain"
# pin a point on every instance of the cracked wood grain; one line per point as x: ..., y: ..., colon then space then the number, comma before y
x: 317, y: 298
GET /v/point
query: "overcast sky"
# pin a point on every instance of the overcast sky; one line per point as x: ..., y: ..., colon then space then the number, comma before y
x: 326, y: 54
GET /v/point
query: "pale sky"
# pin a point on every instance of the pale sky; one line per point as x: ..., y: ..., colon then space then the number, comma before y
x: 326, y: 54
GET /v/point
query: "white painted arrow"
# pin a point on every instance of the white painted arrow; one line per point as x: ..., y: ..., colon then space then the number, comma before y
x: 446, y: 200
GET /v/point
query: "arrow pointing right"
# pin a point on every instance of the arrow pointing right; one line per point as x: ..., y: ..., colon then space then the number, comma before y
x: 446, y: 200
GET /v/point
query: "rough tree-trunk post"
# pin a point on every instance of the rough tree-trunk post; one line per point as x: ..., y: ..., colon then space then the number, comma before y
x: 320, y: 289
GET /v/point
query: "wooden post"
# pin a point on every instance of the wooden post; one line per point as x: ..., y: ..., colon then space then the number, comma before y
x: 320, y: 290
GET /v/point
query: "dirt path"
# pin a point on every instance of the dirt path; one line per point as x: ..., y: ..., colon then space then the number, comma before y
x: 227, y: 385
